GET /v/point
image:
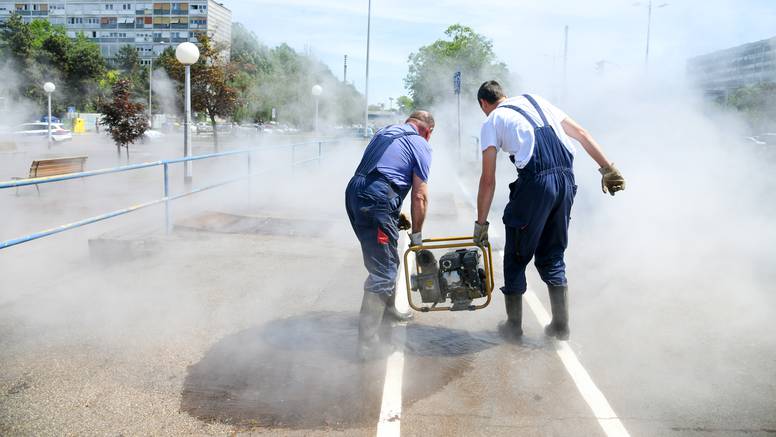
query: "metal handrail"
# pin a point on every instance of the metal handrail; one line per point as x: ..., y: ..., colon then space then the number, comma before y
x: 167, y: 197
x: 84, y: 174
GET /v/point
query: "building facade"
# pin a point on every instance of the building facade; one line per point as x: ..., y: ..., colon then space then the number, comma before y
x: 149, y: 27
x: 721, y: 72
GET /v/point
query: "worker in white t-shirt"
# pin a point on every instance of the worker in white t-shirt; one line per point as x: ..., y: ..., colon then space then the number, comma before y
x: 535, y: 134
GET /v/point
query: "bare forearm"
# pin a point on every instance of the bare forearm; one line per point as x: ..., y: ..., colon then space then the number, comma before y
x: 485, y: 198
x: 574, y: 130
x: 418, y: 208
x: 594, y: 150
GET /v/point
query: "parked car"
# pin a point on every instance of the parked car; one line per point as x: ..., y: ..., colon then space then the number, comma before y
x: 754, y: 140
x: 358, y: 132
x: 151, y: 135
x: 766, y: 138
x: 39, y: 128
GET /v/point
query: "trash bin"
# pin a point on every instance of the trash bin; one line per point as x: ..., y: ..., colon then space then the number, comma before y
x: 79, y: 125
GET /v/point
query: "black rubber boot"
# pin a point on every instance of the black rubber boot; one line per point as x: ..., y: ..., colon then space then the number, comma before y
x: 393, y: 313
x: 371, y: 316
x: 559, y: 326
x: 512, y: 328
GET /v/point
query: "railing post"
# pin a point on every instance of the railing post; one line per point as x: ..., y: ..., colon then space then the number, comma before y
x: 167, y: 224
x: 250, y: 172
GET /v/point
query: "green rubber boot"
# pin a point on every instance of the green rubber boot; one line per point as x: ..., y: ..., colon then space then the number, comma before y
x: 512, y: 328
x: 393, y: 313
x: 371, y: 316
x: 559, y: 326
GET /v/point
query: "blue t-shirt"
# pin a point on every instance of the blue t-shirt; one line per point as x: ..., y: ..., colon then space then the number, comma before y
x: 405, y: 156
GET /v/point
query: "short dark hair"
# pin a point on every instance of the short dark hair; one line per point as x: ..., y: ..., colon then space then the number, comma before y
x: 490, y: 91
x: 423, y: 117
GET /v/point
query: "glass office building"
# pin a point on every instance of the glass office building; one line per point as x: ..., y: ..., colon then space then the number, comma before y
x: 723, y: 71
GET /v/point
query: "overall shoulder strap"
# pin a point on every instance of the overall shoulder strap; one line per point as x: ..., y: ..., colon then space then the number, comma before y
x: 377, y: 148
x: 538, y: 109
x: 523, y: 113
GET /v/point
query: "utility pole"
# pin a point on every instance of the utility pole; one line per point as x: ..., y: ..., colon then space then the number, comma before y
x: 150, y: 92
x: 345, y: 70
x: 649, y: 27
x: 366, y: 86
x: 564, y: 89
x: 457, y: 90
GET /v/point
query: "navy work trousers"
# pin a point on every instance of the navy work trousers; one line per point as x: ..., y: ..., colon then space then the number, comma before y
x: 537, y: 220
x: 373, y: 207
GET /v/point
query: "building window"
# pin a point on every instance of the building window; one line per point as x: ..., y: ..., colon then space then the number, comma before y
x: 108, y: 6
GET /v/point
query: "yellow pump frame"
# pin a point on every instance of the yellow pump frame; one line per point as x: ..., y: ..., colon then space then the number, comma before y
x: 450, y: 243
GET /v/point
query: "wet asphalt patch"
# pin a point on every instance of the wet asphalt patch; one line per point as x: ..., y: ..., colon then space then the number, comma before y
x: 303, y: 373
x: 226, y: 223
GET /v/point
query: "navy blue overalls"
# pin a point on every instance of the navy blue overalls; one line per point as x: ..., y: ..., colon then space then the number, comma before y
x: 373, y: 204
x: 538, y: 213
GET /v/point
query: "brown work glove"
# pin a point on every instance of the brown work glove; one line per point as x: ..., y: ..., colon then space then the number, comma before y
x: 611, y: 180
x: 404, y: 223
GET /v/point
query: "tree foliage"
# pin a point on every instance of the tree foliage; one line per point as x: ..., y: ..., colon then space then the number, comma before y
x: 405, y: 104
x: 41, y: 52
x: 281, y: 78
x: 431, y: 68
x: 127, y: 64
x: 124, y: 119
x: 757, y: 103
x: 212, y: 77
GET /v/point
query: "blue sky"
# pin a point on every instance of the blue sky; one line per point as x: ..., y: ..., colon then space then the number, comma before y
x: 527, y: 35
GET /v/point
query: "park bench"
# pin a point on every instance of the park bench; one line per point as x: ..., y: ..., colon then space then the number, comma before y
x: 41, y: 168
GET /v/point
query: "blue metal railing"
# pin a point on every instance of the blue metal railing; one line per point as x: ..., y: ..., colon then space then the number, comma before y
x: 167, y: 197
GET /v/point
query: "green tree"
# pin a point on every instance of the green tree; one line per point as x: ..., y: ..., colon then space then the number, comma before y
x: 127, y: 60
x: 757, y: 103
x: 17, y: 38
x: 124, y: 119
x: 212, y: 92
x: 85, y: 65
x: 40, y: 52
x: 128, y: 64
x: 431, y: 68
x: 405, y: 104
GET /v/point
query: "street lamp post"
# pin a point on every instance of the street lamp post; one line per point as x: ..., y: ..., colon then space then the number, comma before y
x: 366, y: 85
x: 49, y: 88
x: 150, y: 92
x: 316, y: 91
x: 187, y: 54
x: 649, y: 26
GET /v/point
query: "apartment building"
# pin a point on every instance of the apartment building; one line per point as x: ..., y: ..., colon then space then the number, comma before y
x: 149, y: 27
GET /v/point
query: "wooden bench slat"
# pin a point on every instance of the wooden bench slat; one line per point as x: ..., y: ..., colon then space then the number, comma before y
x: 56, y: 166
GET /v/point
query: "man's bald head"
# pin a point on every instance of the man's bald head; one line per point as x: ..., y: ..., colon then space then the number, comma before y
x: 424, y: 121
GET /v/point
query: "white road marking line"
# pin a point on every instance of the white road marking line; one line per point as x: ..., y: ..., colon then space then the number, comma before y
x: 389, y: 423
x: 595, y: 399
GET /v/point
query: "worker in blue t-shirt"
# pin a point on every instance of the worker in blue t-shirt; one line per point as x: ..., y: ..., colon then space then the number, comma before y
x: 395, y: 162
x: 536, y: 135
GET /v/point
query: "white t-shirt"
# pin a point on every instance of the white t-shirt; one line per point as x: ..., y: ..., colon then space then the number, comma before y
x: 508, y: 130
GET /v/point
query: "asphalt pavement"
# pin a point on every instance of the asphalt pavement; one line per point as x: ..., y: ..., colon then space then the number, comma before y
x: 243, y: 321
